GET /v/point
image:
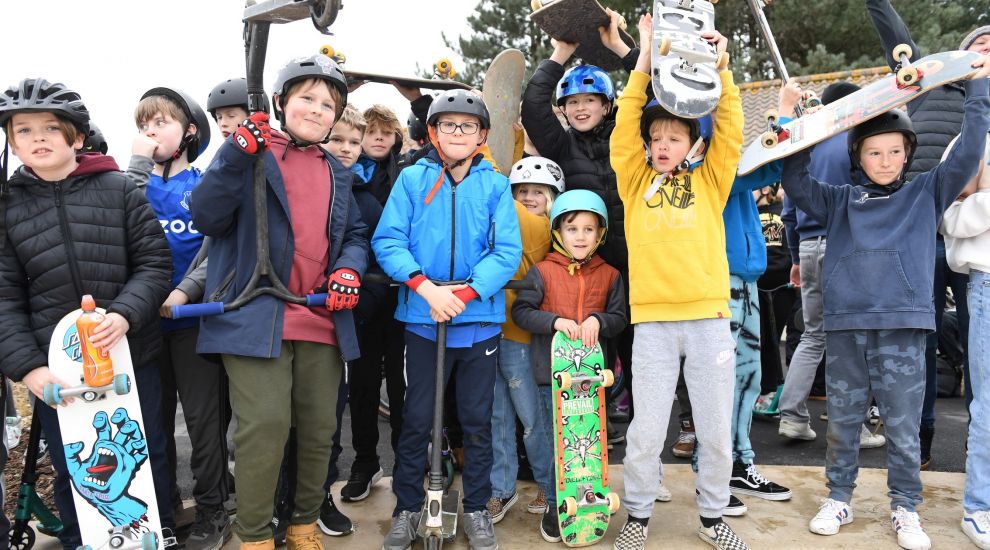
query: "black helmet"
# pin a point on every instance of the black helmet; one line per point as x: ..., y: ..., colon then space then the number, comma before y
x: 459, y: 101
x: 417, y: 132
x: 196, y: 144
x: 654, y: 111
x: 95, y: 142
x: 229, y: 93
x: 310, y: 66
x: 894, y: 120
x: 37, y: 95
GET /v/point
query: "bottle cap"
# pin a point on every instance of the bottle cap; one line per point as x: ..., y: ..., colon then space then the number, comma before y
x: 88, y: 303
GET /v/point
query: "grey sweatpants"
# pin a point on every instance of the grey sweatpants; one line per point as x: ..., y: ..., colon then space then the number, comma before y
x: 710, y: 373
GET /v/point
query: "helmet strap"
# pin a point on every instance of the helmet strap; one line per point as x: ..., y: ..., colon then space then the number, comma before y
x: 693, y: 157
x: 446, y: 166
x: 167, y: 165
x: 558, y: 245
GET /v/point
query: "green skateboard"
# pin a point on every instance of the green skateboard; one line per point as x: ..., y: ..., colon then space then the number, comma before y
x: 584, y: 503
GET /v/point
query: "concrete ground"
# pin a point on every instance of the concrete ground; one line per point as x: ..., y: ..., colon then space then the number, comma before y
x: 776, y: 525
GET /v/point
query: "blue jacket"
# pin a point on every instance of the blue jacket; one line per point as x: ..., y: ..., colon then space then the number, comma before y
x: 829, y: 164
x: 469, y: 231
x: 223, y: 208
x: 881, y: 240
x: 745, y: 246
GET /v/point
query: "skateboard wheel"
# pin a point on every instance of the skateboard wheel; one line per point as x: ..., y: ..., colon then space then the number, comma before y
x: 570, y: 506
x: 149, y: 542
x: 84, y: 547
x: 563, y: 380
x: 622, y: 23
x: 901, y: 49
x: 613, y: 503
x: 908, y: 76
x: 327, y: 50
x: 608, y: 378
x: 664, y: 46
x: 722, y: 63
x: 535, y: 4
x: 121, y: 384
x: 768, y: 139
x: 771, y: 115
x: 52, y: 394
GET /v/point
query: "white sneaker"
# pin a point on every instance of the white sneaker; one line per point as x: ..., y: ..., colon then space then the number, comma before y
x: 796, y: 430
x: 663, y: 495
x: 831, y: 515
x: 870, y: 440
x: 874, y: 415
x: 910, y: 534
x: 977, y: 528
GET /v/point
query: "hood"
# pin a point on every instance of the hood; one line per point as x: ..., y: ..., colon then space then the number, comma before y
x: 565, y: 262
x: 89, y: 163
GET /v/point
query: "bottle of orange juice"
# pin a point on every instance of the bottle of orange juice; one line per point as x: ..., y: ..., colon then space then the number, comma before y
x: 97, y: 366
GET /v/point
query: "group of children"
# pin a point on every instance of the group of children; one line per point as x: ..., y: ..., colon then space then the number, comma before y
x: 607, y: 239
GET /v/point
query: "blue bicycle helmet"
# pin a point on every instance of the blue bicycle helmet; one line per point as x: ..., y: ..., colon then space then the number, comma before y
x: 585, y: 79
x: 578, y: 200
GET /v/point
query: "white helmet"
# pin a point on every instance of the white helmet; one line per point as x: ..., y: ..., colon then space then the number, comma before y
x: 538, y: 170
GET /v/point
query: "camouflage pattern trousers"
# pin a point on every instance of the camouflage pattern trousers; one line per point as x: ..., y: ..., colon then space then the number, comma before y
x: 891, y: 365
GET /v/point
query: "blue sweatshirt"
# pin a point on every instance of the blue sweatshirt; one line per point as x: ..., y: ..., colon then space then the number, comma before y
x: 745, y: 247
x: 881, y: 240
x: 829, y: 164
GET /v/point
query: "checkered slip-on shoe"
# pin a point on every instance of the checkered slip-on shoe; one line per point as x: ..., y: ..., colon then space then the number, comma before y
x: 721, y: 536
x: 632, y: 537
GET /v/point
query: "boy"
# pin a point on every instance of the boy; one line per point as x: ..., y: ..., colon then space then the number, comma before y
x: 173, y: 127
x: 228, y: 104
x: 380, y: 150
x: 452, y: 187
x: 75, y: 225
x: 679, y: 289
x: 289, y: 353
x: 574, y: 292
x: 877, y: 301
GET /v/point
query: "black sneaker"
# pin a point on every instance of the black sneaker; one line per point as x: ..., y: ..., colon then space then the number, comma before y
x: 549, y: 527
x: 332, y: 521
x: 615, y: 436
x: 746, y: 480
x: 169, y: 541
x: 210, y: 530
x: 359, y: 485
x: 735, y: 507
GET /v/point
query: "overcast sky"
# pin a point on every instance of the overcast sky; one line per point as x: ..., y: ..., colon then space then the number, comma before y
x: 112, y: 51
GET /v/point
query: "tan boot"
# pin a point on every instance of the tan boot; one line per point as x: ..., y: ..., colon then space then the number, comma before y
x: 268, y: 544
x: 304, y: 537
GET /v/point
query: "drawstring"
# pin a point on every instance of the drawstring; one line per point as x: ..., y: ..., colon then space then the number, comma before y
x: 445, y: 168
x: 693, y: 157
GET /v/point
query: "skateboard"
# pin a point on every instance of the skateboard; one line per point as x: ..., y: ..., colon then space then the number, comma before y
x: 584, y: 503
x: 443, y: 75
x: 105, y: 449
x: 577, y: 21
x: 685, y: 66
x: 908, y: 82
x: 502, y: 91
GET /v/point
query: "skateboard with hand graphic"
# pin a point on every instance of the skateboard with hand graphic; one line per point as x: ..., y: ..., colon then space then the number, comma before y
x: 106, y: 451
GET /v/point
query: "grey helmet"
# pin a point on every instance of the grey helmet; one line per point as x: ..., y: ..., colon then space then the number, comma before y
x: 462, y: 102
x: 37, y: 95
x: 301, y: 68
x: 229, y: 93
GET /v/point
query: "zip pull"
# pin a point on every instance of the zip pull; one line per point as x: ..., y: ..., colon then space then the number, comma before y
x: 58, y: 194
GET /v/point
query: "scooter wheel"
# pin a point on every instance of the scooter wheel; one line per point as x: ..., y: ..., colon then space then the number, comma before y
x: 22, y: 540
x: 448, y: 473
x: 121, y: 384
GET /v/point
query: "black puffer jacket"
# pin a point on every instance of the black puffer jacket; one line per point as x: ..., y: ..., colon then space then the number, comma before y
x: 584, y: 156
x: 91, y: 233
x: 937, y: 116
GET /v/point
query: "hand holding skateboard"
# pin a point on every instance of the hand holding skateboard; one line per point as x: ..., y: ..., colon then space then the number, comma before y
x: 39, y: 378
x: 610, y: 35
x: 983, y: 64
x: 589, y: 331
x: 562, y: 51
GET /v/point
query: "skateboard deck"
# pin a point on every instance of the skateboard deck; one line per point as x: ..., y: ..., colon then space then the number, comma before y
x: 502, y: 91
x: 584, y: 503
x: 683, y: 64
x: 578, y: 21
x: 869, y: 102
x: 105, y: 448
x: 408, y: 82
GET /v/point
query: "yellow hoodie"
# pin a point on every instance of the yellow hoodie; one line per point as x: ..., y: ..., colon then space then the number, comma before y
x: 677, y: 265
x: 535, y: 233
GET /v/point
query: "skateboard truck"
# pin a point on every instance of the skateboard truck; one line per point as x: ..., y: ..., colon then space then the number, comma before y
x: 775, y: 132
x: 581, y: 384
x: 907, y: 74
x: 588, y: 497
x: 54, y: 394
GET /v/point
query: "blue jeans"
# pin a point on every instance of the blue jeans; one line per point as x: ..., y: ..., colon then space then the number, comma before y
x: 977, y: 495
x: 516, y: 394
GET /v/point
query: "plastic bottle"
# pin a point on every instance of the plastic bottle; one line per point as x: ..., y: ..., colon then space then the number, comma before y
x: 97, y: 366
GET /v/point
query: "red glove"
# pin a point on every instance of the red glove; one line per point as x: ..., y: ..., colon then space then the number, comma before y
x: 342, y: 289
x: 254, y: 134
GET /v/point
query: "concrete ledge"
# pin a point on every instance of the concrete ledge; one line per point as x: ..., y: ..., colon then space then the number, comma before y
x: 767, y: 525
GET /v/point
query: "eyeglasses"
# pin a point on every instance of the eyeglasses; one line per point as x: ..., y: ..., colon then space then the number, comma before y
x: 466, y: 128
